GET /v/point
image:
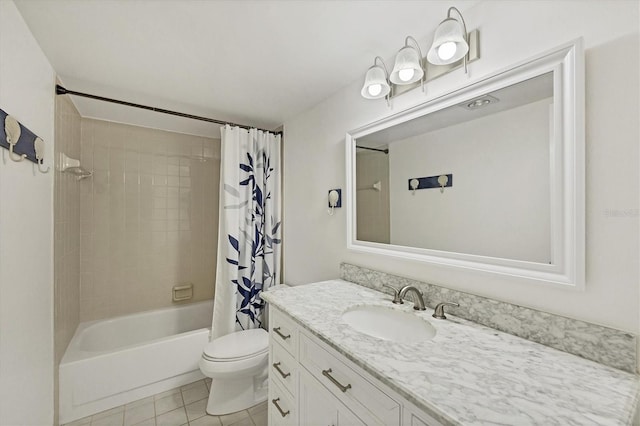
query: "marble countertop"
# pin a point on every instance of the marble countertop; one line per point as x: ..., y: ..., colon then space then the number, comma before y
x: 467, y: 374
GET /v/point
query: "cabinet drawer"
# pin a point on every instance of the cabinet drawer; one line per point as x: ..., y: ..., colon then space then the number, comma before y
x: 282, y: 407
x: 318, y: 406
x: 283, y: 368
x: 354, y: 391
x: 284, y: 331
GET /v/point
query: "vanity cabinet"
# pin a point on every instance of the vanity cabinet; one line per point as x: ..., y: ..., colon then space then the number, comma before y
x: 311, y: 384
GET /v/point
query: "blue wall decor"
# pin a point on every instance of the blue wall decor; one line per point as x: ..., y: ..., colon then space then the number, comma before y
x: 429, y: 182
x: 25, y: 142
x: 339, y: 202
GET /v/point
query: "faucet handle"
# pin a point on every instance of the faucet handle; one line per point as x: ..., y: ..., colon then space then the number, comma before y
x: 439, y: 310
x: 396, y: 294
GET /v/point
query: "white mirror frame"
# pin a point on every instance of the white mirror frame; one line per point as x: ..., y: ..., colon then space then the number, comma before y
x: 567, y: 157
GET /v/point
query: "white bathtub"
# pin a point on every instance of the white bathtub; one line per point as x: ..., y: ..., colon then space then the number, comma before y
x: 115, y: 361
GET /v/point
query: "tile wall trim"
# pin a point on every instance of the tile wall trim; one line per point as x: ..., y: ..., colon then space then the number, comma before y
x: 604, y: 345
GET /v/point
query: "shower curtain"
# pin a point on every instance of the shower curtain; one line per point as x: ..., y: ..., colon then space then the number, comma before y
x: 249, y: 230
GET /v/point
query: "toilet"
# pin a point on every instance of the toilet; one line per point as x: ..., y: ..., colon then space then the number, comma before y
x: 237, y: 366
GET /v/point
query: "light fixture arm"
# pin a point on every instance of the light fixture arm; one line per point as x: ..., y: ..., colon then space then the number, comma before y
x: 422, y: 64
x: 464, y: 27
x: 386, y: 73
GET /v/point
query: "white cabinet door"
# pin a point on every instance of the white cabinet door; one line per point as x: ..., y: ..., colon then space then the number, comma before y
x: 347, y: 418
x: 318, y: 407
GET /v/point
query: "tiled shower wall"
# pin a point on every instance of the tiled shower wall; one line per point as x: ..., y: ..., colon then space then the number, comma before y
x: 67, y: 233
x: 372, y: 205
x: 148, y: 217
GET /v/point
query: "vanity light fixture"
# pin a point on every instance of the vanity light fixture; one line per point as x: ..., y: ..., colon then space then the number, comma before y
x: 453, y: 47
x: 376, y: 81
x: 408, y: 67
x: 451, y: 41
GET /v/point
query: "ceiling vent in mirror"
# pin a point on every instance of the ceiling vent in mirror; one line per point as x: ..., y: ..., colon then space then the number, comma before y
x: 479, y: 102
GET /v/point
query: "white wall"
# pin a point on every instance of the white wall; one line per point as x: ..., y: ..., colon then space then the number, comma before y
x: 509, y: 32
x: 26, y: 233
x: 500, y: 194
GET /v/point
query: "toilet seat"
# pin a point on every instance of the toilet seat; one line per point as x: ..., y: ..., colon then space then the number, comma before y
x: 208, y: 358
x: 237, y: 346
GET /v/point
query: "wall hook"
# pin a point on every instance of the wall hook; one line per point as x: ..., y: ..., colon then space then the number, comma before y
x: 19, y: 157
x: 414, y: 185
x: 38, y: 146
x: 334, y: 201
x: 442, y: 181
x: 12, y: 131
x: 40, y: 168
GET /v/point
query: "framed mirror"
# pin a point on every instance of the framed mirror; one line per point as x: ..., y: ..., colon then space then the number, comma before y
x: 489, y: 177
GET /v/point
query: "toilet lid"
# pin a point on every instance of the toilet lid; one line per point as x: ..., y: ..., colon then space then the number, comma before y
x: 238, y: 345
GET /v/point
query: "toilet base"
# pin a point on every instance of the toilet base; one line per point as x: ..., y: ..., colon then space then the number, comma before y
x: 228, y: 396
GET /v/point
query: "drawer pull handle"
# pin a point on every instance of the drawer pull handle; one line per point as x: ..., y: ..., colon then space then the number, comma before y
x: 279, y: 333
x: 284, y: 375
x: 327, y: 374
x: 275, y: 402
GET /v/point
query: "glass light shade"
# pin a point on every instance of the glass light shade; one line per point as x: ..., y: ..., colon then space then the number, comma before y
x: 449, y: 33
x: 406, y: 74
x: 407, y: 59
x: 375, y: 83
x: 374, y: 89
x: 447, y: 50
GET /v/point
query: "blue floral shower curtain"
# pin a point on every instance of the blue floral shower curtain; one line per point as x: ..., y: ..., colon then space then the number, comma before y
x: 249, y: 231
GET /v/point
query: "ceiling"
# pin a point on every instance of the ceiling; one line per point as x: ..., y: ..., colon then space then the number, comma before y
x: 251, y: 62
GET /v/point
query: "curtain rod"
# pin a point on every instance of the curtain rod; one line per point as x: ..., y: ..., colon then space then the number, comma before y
x: 386, y: 151
x: 62, y: 91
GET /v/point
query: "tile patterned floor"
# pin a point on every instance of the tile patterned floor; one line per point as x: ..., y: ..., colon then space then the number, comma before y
x: 178, y: 407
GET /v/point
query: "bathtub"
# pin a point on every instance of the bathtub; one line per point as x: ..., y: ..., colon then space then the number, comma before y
x: 118, y: 360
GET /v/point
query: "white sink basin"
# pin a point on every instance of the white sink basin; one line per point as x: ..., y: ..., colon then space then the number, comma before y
x: 388, y: 324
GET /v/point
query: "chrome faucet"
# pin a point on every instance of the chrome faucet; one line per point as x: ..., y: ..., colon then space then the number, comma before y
x: 418, y: 303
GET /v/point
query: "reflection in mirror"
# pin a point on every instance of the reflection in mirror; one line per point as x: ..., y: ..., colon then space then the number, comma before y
x: 496, y: 148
